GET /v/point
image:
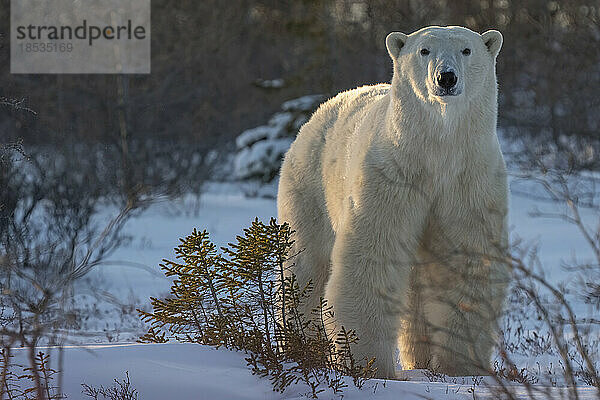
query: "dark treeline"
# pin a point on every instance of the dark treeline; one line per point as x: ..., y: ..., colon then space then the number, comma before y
x: 207, y: 56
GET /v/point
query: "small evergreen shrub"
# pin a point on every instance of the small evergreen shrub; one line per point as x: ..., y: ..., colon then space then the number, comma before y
x: 34, y: 382
x: 121, y: 390
x: 241, y: 298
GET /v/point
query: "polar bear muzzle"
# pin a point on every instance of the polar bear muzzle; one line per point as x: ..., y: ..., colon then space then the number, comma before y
x: 446, y: 80
x: 443, y: 79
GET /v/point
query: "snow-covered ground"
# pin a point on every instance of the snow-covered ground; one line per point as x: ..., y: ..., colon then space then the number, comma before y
x: 186, y: 371
x: 193, y: 372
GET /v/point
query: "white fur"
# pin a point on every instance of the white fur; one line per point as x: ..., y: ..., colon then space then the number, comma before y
x: 395, y: 194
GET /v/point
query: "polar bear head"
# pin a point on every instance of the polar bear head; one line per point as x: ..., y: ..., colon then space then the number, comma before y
x: 446, y: 65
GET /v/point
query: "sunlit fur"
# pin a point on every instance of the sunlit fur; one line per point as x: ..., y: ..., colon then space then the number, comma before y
x: 394, y: 194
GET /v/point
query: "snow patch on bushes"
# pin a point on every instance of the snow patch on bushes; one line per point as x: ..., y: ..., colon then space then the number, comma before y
x: 260, y: 150
x: 262, y: 159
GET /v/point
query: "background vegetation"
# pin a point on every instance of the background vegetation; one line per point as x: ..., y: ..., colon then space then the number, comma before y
x: 208, y: 60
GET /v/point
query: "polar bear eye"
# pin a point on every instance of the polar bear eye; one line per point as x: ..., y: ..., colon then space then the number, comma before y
x: 424, y: 52
x: 466, y: 51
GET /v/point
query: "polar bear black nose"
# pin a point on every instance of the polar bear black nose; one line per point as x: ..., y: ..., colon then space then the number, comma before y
x: 447, y: 80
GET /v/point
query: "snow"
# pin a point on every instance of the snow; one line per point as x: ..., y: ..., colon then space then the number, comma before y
x: 261, y: 149
x: 304, y: 103
x: 251, y: 136
x: 275, y: 128
x: 270, y: 83
x: 132, y: 274
x: 186, y: 371
x: 263, y: 157
x: 281, y: 119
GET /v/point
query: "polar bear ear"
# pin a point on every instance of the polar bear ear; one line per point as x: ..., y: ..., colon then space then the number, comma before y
x: 493, y: 41
x: 394, y: 42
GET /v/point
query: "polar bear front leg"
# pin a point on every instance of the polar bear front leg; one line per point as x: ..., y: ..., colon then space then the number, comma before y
x: 467, y: 291
x: 371, y: 260
x: 463, y: 315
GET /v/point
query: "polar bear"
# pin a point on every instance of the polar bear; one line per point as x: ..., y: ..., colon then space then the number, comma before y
x: 397, y: 194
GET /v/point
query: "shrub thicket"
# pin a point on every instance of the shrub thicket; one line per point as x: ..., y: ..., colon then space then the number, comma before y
x: 240, y: 299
